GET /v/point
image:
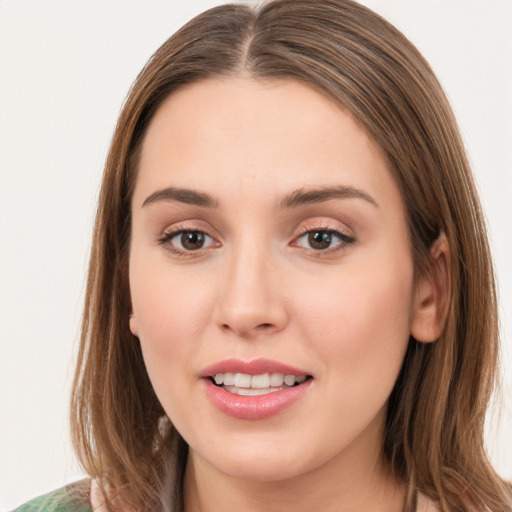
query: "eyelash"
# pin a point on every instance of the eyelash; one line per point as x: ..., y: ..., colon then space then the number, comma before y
x: 343, y: 240
x: 167, y: 237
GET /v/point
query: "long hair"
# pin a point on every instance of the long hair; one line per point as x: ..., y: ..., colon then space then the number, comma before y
x: 436, y: 412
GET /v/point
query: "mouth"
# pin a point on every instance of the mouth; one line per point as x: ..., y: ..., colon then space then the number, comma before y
x: 244, y: 384
x: 254, y: 390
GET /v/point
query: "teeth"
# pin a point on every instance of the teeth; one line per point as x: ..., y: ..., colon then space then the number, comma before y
x: 262, y: 381
x: 276, y: 379
x: 251, y: 391
x: 289, y: 380
x: 242, y: 380
x: 229, y: 379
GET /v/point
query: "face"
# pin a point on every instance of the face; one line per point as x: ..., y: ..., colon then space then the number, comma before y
x: 269, y: 253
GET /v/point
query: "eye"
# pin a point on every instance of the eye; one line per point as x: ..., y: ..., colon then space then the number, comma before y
x: 323, y: 239
x: 185, y: 241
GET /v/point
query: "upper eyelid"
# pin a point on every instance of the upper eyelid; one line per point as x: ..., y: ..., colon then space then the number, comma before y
x: 306, y: 229
x: 177, y: 230
x: 191, y: 225
x: 322, y: 225
x: 344, y: 233
x: 304, y: 226
x: 169, y: 234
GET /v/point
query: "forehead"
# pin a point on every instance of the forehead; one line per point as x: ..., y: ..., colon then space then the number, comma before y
x: 218, y: 133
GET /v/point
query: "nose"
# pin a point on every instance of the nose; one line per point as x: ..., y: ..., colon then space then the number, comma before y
x: 251, y: 301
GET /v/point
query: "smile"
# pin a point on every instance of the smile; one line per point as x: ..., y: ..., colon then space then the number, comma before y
x: 254, y: 390
x: 255, y: 385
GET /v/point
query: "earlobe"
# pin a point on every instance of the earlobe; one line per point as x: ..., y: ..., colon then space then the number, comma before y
x: 134, y: 328
x: 432, y: 293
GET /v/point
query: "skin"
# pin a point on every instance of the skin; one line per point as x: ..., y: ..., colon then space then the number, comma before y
x: 257, y: 288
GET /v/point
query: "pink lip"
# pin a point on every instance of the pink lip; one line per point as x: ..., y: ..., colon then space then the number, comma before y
x: 255, y: 367
x: 252, y: 407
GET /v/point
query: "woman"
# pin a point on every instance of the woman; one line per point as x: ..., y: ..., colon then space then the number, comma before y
x: 290, y: 300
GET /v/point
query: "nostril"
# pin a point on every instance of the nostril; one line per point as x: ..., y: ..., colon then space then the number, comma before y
x: 262, y: 327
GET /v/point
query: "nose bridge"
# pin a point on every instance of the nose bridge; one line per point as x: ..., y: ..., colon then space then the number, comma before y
x: 249, y: 300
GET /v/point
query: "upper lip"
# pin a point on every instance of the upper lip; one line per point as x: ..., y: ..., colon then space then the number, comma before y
x: 254, y: 367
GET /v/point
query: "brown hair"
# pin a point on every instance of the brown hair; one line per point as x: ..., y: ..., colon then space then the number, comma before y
x: 434, y: 427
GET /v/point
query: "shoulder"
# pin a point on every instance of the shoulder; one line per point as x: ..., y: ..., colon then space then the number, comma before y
x: 74, y: 497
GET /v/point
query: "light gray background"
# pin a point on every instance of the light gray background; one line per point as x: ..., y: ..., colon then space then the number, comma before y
x: 65, y: 68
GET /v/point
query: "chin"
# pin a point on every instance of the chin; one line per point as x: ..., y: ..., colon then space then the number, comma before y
x: 262, y: 460
x: 264, y: 468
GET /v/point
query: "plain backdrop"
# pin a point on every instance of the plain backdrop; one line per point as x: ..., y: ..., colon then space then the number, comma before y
x: 65, y: 68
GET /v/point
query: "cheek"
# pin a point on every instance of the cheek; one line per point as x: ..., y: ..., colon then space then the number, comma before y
x: 361, y: 323
x: 360, y: 330
x: 170, y: 314
x: 169, y: 305
x: 171, y: 310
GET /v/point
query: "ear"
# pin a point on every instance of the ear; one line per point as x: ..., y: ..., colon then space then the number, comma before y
x: 134, y: 326
x: 432, y: 293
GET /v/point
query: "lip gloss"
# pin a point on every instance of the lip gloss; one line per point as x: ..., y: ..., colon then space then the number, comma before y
x: 253, y: 407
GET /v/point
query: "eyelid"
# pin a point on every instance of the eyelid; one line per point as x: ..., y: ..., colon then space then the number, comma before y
x: 189, y: 225
x: 322, y: 224
x: 178, y: 228
x: 326, y: 225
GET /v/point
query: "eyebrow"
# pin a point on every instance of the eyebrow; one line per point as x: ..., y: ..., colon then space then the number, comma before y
x: 297, y: 198
x: 182, y: 195
x: 319, y: 195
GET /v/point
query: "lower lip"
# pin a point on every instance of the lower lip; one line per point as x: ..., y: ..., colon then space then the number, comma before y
x: 254, y: 407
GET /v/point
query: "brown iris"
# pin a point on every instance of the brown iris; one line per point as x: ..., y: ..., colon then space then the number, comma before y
x: 192, y: 240
x: 320, y: 239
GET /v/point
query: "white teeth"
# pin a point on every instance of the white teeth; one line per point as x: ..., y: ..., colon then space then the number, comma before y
x: 229, y: 379
x: 251, y: 391
x: 276, y: 379
x: 242, y: 380
x: 289, y: 380
x: 261, y: 381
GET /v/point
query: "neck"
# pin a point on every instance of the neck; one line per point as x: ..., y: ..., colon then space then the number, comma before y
x: 352, y: 482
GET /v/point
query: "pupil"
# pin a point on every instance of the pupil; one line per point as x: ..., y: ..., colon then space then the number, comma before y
x: 192, y: 240
x: 320, y: 239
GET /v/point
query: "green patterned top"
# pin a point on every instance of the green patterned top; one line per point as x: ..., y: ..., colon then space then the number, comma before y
x: 71, y: 498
